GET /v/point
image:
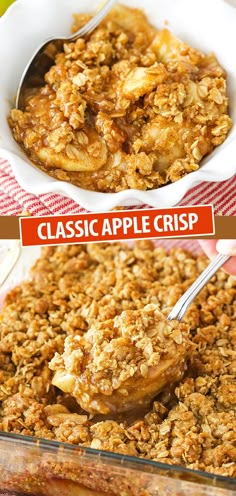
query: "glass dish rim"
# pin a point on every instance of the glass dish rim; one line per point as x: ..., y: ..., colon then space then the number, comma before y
x: 147, y: 466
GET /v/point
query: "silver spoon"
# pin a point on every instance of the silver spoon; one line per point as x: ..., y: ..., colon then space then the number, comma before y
x: 186, y: 299
x: 43, y: 58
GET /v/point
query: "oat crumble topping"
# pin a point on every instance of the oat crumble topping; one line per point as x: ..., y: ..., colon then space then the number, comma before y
x: 74, y: 289
x: 125, y: 107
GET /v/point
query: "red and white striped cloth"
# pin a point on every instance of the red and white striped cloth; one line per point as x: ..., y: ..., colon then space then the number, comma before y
x: 16, y: 201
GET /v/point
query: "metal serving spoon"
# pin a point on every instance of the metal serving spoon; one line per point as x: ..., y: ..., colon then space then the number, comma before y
x: 177, y: 313
x: 141, y: 390
x: 43, y: 58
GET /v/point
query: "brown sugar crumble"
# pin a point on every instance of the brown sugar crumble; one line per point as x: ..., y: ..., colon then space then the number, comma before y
x: 128, y: 106
x: 74, y: 289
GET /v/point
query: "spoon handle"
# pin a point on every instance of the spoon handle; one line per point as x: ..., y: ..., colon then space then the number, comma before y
x: 186, y: 299
x: 94, y: 22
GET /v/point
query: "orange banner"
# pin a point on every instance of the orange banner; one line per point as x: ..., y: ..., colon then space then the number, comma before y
x: 120, y: 225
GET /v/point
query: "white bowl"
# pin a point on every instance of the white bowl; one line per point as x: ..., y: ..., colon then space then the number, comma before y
x: 206, y: 24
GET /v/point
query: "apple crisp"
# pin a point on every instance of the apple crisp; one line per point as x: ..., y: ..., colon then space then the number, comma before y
x: 111, y: 288
x: 126, y: 107
x: 122, y: 363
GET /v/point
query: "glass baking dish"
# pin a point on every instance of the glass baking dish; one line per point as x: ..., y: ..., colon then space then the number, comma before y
x: 38, y: 467
x: 187, y: 19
